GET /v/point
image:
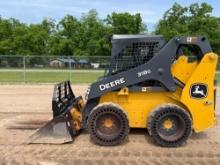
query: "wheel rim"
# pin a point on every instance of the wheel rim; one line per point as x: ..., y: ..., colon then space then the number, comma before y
x: 108, y: 126
x: 170, y: 127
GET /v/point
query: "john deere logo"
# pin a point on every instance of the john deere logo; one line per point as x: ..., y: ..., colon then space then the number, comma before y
x: 199, y: 91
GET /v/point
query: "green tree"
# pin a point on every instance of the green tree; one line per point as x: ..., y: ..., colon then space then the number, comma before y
x: 65, y: 40
x: 88, y: 36
x: 49, y: 25
x: 125, y: 23
x: 32, y: 42
x: 6, y: 33
x: 195, y: 19
x: 94, y: 35
x: 20, y: 39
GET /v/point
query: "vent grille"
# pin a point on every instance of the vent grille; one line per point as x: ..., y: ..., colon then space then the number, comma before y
x: 134, y: 55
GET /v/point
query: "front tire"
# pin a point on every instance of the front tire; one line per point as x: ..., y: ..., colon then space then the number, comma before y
x: 169, y: 125
x: 108, y: 125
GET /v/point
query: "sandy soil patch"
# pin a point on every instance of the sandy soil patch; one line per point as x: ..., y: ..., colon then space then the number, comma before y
x: 26, y: 108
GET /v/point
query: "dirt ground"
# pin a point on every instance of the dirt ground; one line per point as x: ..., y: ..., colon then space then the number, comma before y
x: 23, y: 109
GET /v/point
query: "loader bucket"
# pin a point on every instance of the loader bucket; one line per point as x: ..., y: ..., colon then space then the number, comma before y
x: 54, y: 132
x: 66, y: 122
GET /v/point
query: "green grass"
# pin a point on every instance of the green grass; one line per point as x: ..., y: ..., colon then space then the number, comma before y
x: 54, y: 76
x: 49, y: 76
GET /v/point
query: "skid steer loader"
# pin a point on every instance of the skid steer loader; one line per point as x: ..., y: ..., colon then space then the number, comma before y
x: 167, y: 88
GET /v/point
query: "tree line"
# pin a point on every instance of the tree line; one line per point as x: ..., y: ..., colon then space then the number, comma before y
x: 89, y: 35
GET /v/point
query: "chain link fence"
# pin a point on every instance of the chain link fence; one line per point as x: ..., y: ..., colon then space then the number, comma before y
x: 53, y: 69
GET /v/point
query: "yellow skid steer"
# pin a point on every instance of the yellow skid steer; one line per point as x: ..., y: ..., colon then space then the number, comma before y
x: 166, y: 88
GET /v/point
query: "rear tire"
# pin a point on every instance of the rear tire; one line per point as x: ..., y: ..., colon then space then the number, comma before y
x: 108, y: 125
x: 169, y: 125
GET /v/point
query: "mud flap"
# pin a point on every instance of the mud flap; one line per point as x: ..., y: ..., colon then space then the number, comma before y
x: 67, y: 117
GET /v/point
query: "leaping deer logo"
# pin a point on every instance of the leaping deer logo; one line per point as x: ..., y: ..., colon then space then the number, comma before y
x: 197, y: 91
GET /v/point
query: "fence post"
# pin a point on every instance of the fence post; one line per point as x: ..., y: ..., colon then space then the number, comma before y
x: 70, y: 69
x: 24, y: 68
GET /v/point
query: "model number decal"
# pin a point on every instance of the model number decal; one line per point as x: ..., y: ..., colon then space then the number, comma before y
x: 111, y: 84
x: 144, y: 72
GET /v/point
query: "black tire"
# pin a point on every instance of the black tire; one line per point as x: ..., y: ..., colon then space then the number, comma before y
x: 169, y: 125
x: 108, y: 125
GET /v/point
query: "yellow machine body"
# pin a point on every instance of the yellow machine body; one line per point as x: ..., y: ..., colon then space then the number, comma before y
x: 139, y: 105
